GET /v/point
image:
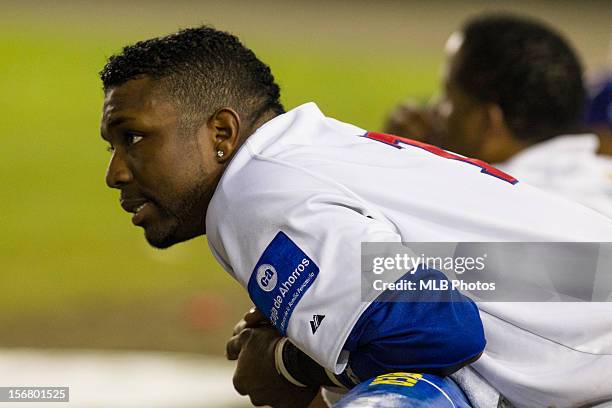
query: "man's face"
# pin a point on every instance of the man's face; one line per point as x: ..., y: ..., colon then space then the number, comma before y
x: 460, y: 114
x: 164, y: 176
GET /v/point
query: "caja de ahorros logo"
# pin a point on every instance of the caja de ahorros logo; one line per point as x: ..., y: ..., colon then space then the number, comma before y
x: 267, y: 278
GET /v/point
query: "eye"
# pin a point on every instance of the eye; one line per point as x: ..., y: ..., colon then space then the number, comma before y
x: 132, y: 138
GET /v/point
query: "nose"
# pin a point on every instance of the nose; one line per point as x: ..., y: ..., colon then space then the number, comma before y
x: 118, y: 173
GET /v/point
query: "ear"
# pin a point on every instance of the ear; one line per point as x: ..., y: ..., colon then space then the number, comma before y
x: 501, y: 144
x: 225, y: 126
x: 495, y: 123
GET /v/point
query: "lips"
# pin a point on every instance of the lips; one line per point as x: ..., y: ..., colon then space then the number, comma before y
x: 140, y: 207
x: 133, y: 205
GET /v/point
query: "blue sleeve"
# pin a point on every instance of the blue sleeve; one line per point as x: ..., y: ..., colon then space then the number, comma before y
x: 428, y: 331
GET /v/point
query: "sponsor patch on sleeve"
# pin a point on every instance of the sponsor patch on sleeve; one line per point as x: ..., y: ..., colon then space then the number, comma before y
x: 281, y: 277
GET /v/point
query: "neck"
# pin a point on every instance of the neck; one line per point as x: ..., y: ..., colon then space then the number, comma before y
x: 265, y: 117
x: 605, y: 141
x: 502, y: 148
x: 256, y: 124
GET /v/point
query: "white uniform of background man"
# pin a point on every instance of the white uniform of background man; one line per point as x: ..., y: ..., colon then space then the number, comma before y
x: 570, y: 167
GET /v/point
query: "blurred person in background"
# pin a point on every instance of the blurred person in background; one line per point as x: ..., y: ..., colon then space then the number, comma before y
x: 513, y: 94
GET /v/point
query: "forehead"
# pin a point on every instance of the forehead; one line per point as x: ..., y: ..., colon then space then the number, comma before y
x: 453, y: 43
x: 451, y: 49
x: 137, y: 99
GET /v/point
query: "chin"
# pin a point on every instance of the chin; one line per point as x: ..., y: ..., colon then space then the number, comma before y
x: 161, y: 239
x: 165, y: 239
x: 160, y: 243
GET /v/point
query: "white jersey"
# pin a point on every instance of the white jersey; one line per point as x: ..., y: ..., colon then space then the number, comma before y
x: 294, y: 205
x: 570, y: 166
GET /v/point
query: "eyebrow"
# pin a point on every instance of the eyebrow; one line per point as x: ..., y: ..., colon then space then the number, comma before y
x: 116, y: 121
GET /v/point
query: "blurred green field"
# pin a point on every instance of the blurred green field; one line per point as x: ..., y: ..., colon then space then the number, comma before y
x: 75, y: 272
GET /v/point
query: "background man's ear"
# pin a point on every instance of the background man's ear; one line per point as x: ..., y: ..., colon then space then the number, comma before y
x: 495, y: 123
x: 500, y: 142
x: 225, y: 126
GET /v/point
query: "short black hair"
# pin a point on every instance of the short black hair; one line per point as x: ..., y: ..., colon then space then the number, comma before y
x: 202, y: 69
x: 526, y: 68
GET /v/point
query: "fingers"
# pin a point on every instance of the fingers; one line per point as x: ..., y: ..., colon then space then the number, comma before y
x: 242, y: 331
x: 240, y: 326
x: 241, y: 388
x: 255, y: 318
x: 256, y: 375
x: 235, y: 344
x: 410, y: 120
x: 408, y: 123
x: 256, y: 401
x: 238, y: 385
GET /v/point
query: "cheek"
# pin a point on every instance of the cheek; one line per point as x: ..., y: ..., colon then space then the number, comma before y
x: 160, y: 175
x: 460, y: 131
x: 453, y: 122
x: 472, y: 125
x: 182, y: 178
x: 451, y: 118
x: 169, y: 171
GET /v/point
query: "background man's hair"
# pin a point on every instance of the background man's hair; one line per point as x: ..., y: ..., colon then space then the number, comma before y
x: 526, y: 68
x: 202, y: 69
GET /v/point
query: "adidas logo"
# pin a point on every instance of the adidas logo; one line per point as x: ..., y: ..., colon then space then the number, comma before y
x: 316, y: 322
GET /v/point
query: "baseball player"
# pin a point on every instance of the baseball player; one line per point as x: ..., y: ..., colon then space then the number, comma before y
x: 201, y: 145
x: 513, y: 93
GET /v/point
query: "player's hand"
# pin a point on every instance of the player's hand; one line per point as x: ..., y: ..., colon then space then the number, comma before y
x: 414, y: 122
x: 256, y: 374
x: 253, y: 318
